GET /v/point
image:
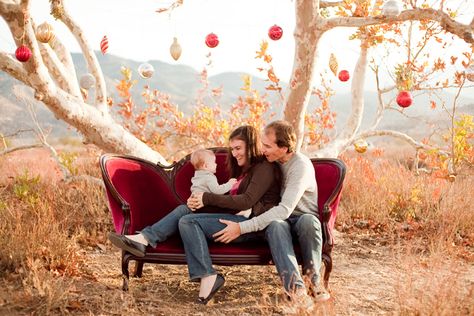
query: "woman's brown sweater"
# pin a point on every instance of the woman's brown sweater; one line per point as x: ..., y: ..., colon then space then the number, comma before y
x: 259, y: 190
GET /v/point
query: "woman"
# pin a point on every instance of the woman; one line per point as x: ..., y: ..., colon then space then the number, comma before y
x: 258, y: 188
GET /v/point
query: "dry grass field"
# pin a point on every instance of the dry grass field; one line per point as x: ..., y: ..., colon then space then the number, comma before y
x: 404, y: 247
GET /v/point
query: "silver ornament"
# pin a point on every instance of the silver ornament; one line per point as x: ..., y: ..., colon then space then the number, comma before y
x: 146, y: 70
x: 87, y: 81
x: 391, y: 8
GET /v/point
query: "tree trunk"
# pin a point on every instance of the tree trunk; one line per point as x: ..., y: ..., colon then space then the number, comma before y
x: 306, y: 44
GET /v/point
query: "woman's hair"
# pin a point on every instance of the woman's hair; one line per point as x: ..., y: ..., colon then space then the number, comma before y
x: 249, y: 135
x: 285, y: 135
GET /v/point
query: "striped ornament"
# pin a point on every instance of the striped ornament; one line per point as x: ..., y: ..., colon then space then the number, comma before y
x: 104, y: 45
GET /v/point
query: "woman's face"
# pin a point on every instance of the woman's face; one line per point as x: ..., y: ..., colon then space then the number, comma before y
x: 239, y: 151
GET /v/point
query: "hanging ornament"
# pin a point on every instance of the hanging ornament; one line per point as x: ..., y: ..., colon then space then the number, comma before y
x: 343, y: 75
x: 361, y: 146
x: 44, y: 32
x: 175, y: 49
x: 404, y: 99
x: 391, y: 8
x: 275, y: 32
x: 470, y: 73
x: 104, y: 45
x: 146, y: 70
x: 333, y: 64
x: 87, y: 81
x: 23, y: 53
x: 212, y: 40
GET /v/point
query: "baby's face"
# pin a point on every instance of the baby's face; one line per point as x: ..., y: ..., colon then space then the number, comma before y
x: 211, y: 165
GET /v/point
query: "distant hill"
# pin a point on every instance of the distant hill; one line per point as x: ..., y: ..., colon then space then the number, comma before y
x: 182, y: 84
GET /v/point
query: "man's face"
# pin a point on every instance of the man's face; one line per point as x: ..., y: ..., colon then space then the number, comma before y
x: 270, y: 149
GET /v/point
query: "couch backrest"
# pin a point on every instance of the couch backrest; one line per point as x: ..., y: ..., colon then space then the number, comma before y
x: 138, y: 185
x: 330, y: 175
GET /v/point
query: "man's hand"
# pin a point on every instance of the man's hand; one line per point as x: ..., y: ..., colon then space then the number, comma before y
x: 195, y: 201
x: 231, y: 232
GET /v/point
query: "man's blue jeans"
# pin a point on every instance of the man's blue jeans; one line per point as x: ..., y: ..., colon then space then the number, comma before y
x: 196, y: 230
x: 165, y: 227
x: 306, y: 229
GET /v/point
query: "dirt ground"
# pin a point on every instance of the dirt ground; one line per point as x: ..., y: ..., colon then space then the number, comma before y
x: 363, y: 282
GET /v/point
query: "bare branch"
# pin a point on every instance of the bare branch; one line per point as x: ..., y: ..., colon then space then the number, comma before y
x: 92, y: 62
x: 329, y: 4
x: 65, y: 57
x: 461, y: 30
x: 58, y: 71
x: 13, y: 67
x: 396, y: 134
x: 13, y: 149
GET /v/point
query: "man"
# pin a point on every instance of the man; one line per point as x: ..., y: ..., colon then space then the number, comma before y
x: 296, y: 215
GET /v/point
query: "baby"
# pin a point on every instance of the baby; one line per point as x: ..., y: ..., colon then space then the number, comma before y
x: 204, y: 179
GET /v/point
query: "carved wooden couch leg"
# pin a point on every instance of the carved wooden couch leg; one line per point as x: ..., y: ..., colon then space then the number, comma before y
x: 125, y: 274
x: 327, y: 269
x: 138, y: 269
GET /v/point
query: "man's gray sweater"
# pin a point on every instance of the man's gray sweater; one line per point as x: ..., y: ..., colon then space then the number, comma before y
x: 299, y: 195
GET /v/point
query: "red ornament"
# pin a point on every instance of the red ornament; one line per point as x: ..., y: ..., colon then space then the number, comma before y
x: 343, y: 75
x: 23, y: 53
x: 104, y: 44
x: 404, y: 99
x: 275, y: 32
x: 212, y: 40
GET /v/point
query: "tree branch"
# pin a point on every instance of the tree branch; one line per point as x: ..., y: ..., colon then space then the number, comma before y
x: 14, y: 68
x: 13, y: 149
x: 91, y: 59
x: 329, y: 4
x: 58, y: 71
x: 461, y: 30
x: 65, y: 57
x: 396, y: 134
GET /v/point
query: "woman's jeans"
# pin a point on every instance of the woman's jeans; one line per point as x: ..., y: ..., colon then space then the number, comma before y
x: 196, y: 230
x: 306, y: 229
x: 165, y: 227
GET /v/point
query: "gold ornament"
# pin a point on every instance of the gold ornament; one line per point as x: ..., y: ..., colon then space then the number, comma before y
x: 470, y: 73
x: 44, y: 33
x: 361, y: 146
x: 333, y: 64
x: 175, y: 49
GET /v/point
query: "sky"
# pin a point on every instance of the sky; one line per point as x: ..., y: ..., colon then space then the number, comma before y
x: 136, y: 31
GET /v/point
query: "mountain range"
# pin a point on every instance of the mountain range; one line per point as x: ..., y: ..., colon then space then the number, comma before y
x: 182, y: 83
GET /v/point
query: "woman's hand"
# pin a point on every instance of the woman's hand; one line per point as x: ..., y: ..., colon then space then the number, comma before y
x: 195, y: 201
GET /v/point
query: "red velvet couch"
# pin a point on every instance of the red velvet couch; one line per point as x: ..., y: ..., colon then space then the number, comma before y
x: 140, y: 193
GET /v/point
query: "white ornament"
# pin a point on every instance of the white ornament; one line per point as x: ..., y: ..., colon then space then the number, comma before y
x: 470, y: 73
x: 391, y: 8
x: 146, y: 70
x: 87, y: 81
